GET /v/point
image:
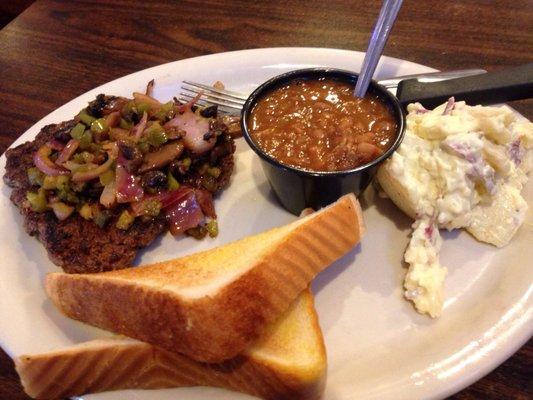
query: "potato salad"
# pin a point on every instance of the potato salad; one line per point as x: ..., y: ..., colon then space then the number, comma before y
x: 459, y: 166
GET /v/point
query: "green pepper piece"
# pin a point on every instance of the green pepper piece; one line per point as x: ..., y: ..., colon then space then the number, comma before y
x: 77, y: 131
x: 172, y: 183
x: 85, y: 117
x: 165, y: 111
x: 99, y: 126
x: 212, y: 228
x: 35, y: 176
x: 125, y: 220
x: 37, y: 200
x: 156, y: 135
x: 107, y: 177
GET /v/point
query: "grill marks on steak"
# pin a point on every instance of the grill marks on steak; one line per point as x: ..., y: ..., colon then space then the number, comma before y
x: 80, y: 246
x: 76, y: 245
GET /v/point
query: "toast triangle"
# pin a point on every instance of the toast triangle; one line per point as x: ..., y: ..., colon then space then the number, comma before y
x: 287, y: 362
x: 211, y: 305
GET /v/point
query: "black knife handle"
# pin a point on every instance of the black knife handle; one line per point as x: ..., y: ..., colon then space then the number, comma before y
x: 490, y: 88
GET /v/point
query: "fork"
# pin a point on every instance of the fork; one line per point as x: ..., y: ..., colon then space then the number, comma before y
x: 231, y: 102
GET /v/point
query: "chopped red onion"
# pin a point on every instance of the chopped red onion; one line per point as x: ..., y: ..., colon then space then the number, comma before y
x: 55, y: 144
x: 166, y: 198
x: 184, y: 214
x: 205, y: 199
x: 109, y: 195
x: 44, y: 164
x: 68, y: 151
x: 450, y: 105
x: 516, y: 152
x: 128, y: 187
x: 93, y: 173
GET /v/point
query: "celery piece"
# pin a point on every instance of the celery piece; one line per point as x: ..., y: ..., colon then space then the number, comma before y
x: 77, y: 131
x: 85, y: 117
x: 86, y: 140
x: 143, y: 108
x: 37, y: 200
x: 125, y: 220
x: 99, y: 126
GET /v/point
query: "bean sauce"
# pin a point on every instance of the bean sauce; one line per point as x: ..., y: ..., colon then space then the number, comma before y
x: 318, y: 125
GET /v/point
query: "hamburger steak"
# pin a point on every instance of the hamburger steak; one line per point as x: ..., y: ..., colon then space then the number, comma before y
x: 78, y: 244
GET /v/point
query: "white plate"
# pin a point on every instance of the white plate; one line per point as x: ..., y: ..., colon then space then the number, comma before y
x: 378, y: 346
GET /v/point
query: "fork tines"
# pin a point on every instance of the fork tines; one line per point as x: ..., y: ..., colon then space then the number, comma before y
x: 228, y: 101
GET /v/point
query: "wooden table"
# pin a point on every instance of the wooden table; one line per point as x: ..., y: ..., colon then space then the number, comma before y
x: 56, y: 50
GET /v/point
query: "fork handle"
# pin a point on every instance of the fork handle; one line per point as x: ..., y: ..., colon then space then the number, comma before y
x: 490, y: 88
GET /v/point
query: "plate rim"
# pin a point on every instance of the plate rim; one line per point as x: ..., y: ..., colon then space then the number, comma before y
x: 499, y: 354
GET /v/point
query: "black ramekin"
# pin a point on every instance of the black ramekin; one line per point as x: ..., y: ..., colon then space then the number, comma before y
x: 297, y: 188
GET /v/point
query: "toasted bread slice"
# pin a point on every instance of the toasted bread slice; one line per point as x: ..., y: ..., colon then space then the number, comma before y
x: 210, y: 306
x: 288, y: 362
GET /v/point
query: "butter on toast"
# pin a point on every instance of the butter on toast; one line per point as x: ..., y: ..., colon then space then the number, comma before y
x: 211, y: 305
x: 287, y: 362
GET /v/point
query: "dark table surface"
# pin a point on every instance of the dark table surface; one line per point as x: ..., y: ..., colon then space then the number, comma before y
x: 57, y: 50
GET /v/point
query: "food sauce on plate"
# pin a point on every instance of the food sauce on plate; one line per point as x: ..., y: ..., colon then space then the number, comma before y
x: 319, y: 125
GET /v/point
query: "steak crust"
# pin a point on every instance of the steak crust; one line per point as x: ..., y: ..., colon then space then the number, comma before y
x: 75, y: 244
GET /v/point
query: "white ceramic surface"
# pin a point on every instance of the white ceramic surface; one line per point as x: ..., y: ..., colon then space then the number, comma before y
x: 378, y: 346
